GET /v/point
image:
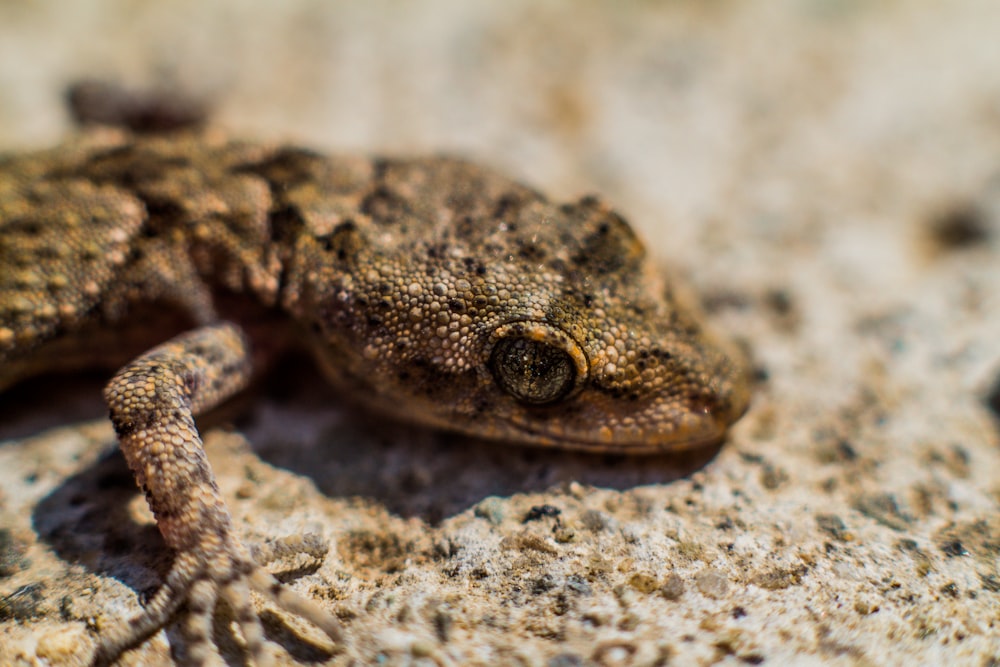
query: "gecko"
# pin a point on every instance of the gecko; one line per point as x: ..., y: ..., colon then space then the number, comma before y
x: 429, y: 288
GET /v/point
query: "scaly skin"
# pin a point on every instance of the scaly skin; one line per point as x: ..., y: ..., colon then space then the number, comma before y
x: 432, y: 288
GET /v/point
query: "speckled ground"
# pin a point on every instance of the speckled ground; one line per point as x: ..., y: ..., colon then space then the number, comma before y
x: 824, y: 173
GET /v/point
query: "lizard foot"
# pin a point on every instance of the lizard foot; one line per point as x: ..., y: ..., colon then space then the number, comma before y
x: 220, y: 568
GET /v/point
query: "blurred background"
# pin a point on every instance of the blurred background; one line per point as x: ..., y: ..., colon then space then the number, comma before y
x: 683, y: 112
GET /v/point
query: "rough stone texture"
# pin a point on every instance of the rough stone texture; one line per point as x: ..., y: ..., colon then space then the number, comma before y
x: 825, y: 174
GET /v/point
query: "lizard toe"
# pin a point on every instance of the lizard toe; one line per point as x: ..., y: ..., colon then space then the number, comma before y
x: 194, y: 586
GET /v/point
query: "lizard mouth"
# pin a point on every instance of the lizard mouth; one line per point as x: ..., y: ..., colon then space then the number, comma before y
x: 701, y: 425
x: 605, y: 440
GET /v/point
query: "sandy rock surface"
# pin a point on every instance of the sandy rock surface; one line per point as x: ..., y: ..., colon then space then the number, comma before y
x: 825, y: 174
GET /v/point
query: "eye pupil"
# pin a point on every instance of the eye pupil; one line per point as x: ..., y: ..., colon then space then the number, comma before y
x: 532, y: 371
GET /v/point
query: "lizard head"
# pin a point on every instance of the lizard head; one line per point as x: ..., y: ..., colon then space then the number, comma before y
x: 524, y: 321
x: 616, y: 389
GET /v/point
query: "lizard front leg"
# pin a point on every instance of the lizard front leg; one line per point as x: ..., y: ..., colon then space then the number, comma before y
x: 152, y: 403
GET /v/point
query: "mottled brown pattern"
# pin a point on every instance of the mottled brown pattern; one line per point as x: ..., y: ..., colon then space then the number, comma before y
x: 431, y: 288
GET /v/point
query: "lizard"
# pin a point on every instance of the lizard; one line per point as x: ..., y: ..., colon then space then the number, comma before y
x: 432, y: 289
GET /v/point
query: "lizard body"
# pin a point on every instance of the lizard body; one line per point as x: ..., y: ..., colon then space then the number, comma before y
x: 431, y: 288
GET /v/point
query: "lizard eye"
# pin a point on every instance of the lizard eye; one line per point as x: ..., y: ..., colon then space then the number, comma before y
x: 535, y: 363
